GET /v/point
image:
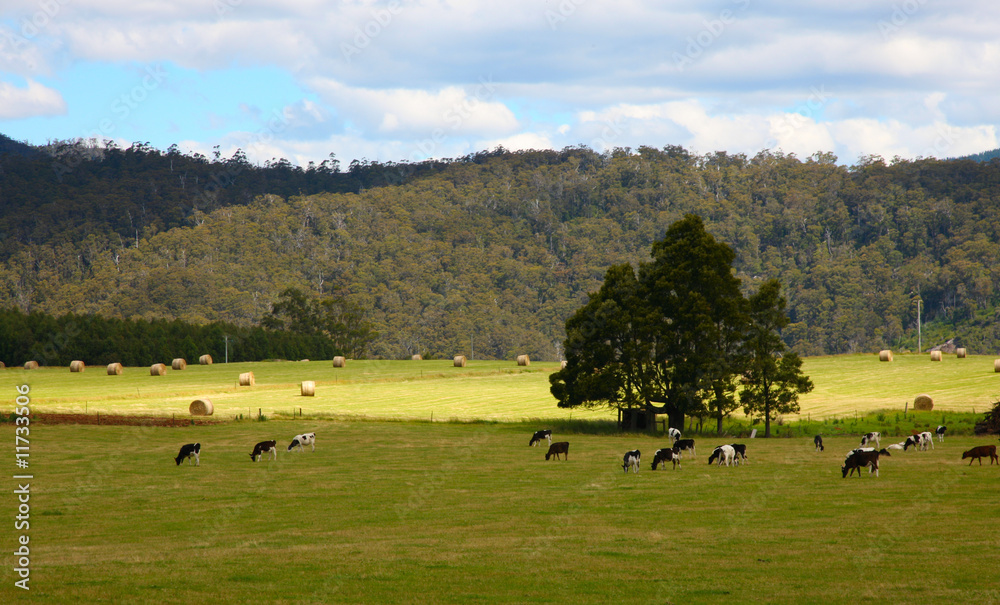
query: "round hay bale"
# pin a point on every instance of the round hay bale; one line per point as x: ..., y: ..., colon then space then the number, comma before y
x: 179, y: 363
x: 77, y: 366
x: 308, y: 388
x: 960, y: 352
x: 417, y: 358
x: 158, y: 369
x: 201, y: 407
x: 996, y: 365
x: 205, y: 360
x: 247, y: 380
x: 885, y: 355
x: 460, y: 361
x: 31, y: 365
x: 923, y: 402
x: 2, y: 365
x: 339, y: 361
x: 563, y: 364
x: 935, y: 355
x: 115, y: 369
x: 523, y: 360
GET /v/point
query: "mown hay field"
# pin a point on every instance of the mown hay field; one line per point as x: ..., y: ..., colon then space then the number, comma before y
x: 415, y: 512
x: 482, y: 390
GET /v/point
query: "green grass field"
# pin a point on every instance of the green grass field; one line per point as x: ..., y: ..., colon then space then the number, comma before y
x: 484, y: 390
x: 414, y: 512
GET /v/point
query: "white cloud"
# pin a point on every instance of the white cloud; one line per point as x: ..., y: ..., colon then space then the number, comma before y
x: 35, y: 100
x: 451, y: 111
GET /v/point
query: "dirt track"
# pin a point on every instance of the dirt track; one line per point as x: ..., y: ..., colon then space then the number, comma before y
x: 117, y: 419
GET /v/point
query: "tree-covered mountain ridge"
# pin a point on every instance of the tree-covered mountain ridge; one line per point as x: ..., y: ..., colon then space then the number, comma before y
x: 489, y: 255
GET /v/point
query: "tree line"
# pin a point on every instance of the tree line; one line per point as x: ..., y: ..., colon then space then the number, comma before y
x: 490, y: 254
x: 301, y: 327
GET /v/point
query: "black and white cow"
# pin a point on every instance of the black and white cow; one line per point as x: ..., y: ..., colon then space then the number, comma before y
x: 818, y: 442
x: 741, y: 452
x: 940, y: 432
x: 631, y: 460
x: 189, y: 451
x: 303, y: 439
x: 912, y: 440
x: 665, y: 455
x: 926, y: 438
x: 264, y: 447
x: 683, y: 445
x: 869, y: 437
x: 859, y: 459
x: 674, y: 434
x: 539, y: 435
x: 724, y: 454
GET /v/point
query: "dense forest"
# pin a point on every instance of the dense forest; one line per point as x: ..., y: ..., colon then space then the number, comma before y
x: 489, y: 254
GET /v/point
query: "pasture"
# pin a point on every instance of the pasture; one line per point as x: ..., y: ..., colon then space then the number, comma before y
x: 488, y: 390
x: 419, y: 512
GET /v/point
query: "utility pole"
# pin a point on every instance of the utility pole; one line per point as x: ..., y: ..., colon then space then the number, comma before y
x: 918, y: 324
x: 226, y: 338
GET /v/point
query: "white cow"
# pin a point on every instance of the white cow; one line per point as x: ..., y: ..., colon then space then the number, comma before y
x: 303, y: 439
x: 631, y: 460
x: 674, y: 434
x: 725, y: 454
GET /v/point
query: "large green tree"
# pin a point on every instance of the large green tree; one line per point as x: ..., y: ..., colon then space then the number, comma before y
x: 773, y: 379
x: 663, y: 339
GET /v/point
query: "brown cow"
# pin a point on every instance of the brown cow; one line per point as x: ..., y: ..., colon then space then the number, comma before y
x: 979, y: 451
x: 561, y: 447
x: 860, y: 458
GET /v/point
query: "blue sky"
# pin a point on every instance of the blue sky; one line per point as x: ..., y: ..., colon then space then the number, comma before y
x: 403, y: 80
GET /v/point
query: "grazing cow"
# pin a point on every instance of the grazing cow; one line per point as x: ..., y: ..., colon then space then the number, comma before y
x: 869, y: 437
x: 189, y: 451
x: 741, y: 452
x: 264, y: 447
x: 818, y: 442
x: 859, y: 459
x: 724, y: 454
x: 978, y: 452
x: 631, y: 460
x: 940, y: 432
x: 674, y: 434
x: 539, y: 435
x: 926, y: 439
x: 912, y: 440
x: 684, y: 444
x: 303, y: 439
x: 665, y: 455
x: 561, y: 447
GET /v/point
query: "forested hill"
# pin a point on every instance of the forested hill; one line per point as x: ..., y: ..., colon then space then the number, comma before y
x: 488, y: 255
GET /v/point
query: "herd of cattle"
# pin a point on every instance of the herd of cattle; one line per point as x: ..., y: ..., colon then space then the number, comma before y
x: 192, y: 451
x: 865, y: 456
x: 730, y: 454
